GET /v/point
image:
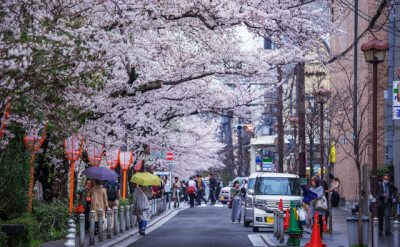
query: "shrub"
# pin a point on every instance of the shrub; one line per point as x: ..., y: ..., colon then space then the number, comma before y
x: 31, y: 235
x: 15, y: 175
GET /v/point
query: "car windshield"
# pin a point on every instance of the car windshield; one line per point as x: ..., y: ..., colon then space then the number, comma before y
x: 252, y: 181
x: 277, y: 186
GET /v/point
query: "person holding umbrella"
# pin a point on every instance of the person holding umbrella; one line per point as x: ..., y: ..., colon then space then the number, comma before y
x: 141, y: 197
x: 99, y: 201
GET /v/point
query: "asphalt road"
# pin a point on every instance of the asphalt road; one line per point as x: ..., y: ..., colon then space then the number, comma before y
x: 199, y: 226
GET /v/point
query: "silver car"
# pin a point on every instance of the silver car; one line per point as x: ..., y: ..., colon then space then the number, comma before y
x: 248, y: 206
x: 225, y: 193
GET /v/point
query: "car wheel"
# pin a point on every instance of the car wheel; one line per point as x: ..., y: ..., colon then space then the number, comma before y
x: 224, y: 202
x: 255, y: 229
x: 246, y: 223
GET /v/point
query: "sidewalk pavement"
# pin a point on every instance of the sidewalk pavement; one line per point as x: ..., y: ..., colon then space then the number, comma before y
x: 339, y: 235
x: 121, y: 237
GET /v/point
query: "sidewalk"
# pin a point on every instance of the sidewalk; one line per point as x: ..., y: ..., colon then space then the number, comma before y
x: 339, y: 235
x: 117, y: 240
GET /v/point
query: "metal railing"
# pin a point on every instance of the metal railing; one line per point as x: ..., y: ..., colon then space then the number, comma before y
x: 279, y: 218
x: 123, y: 221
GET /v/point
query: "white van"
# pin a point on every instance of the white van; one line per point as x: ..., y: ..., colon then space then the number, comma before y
x: 269, y: 188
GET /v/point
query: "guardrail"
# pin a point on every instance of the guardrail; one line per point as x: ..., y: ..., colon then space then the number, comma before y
x: 279, y: 232
x: 123, y: 221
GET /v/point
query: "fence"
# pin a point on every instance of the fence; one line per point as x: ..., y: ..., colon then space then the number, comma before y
x: 279, y: 218
x: 123, y: 221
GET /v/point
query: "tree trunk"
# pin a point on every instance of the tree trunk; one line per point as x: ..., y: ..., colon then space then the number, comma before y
x: 360, y: 214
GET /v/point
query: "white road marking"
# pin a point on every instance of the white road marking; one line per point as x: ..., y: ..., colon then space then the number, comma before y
x: 256, y: 240
x: 218, y: 205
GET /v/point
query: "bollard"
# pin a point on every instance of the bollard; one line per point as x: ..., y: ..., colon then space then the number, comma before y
x: 109, y: 216
x: 121, y: 219
x: 396, y: 233
x: 375, y: 231
x: 275, y: 223
x: 81, y: 230
x: 151, y: 208
x: 91, y: 229
x: 100, y: 226
x: 169, y: 202
x: 131, y: 218
x: 278, y: 227
x: 70, y: 242
x: 115, y: 221
x: 127, y: 217
x: 156, y: 208
x: 281, y: 226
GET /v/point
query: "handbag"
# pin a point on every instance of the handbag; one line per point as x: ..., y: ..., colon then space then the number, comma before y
x: 321, y: 204
x: 79, y: 209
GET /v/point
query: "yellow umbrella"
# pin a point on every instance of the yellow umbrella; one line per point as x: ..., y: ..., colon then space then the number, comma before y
x: 146, y: 179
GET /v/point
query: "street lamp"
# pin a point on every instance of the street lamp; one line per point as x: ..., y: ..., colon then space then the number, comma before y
x: 374, y: 52
x: 293, y: 123
x: 321, y: 97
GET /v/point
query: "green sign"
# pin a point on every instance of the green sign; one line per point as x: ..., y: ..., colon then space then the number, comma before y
x: 303, y: 181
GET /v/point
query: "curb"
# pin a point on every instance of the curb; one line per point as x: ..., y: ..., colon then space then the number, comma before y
x: 269, y: 241
x: 135, y: 232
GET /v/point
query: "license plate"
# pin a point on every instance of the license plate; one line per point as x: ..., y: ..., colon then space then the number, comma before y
x: 222, y: 198
x: 269, y: 220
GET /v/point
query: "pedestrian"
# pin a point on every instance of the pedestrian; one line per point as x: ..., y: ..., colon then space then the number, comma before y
x: 113, y: 189
x: 166, y: 188
x: 200, y: 190
x: 176, y: 188
x: 141, y: 206
x: 99, y: 201
x: 154, y: 190
x: 387, y: 192
x: 213, y: 185
x: 317, y: 189
x: 86, y: 200
x: 191, y: 190
x: 335, y: 195
x: 324, y: 185
x: 236, y: 197
x: 183, y: 191
x: 218, y: 190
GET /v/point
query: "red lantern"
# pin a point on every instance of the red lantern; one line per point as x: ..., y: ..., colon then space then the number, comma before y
x: 112, y: 158
x: 33, y: 142
x: 73, y: 149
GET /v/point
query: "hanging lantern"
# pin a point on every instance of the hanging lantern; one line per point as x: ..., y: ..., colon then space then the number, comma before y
x: 95, y: 153
x: 33, y: 142
x: 112, y: 158
x: 125, y: 160
x: 4, y: 119
x: 73, y: 149
x: 139, y: 164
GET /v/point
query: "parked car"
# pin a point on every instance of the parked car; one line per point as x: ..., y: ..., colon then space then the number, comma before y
x: 224, y: 195
x: 248, y: 206
x: 269, y: 188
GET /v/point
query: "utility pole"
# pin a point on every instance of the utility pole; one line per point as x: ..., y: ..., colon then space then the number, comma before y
x: 355, y: 49
x: 280, y: 122
x: 230, y: 144
x: 302, y: 119
x: 240, y: 151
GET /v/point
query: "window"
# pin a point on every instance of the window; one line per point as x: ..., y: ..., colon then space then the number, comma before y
x: 277, y: 186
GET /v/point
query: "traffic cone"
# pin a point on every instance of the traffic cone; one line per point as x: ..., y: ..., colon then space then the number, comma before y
x: 315, y: 236
x: 280, y: 205
x: 293, y: 231
x: 286, y: 223
x: 325, y: 229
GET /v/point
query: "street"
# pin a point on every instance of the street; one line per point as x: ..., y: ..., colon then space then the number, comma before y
x: 199, y: 226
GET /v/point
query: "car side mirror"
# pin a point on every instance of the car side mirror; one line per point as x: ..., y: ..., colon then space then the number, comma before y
x: 250, y: 192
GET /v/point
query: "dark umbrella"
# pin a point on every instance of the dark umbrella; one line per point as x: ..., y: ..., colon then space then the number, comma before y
x: 100, y: 173
x: 308, y: 194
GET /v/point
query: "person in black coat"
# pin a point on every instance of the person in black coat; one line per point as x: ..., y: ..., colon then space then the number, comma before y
x: 387, y: 191
x: 213, y: 185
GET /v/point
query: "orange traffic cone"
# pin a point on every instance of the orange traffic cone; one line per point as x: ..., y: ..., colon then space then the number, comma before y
x: 280, y: 205
x: 325, y: 229
x: 287, y: 220
x: 315, y: 236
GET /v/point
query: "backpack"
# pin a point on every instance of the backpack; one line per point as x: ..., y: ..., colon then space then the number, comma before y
x: 112, y: 192
x: 190, y: 190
